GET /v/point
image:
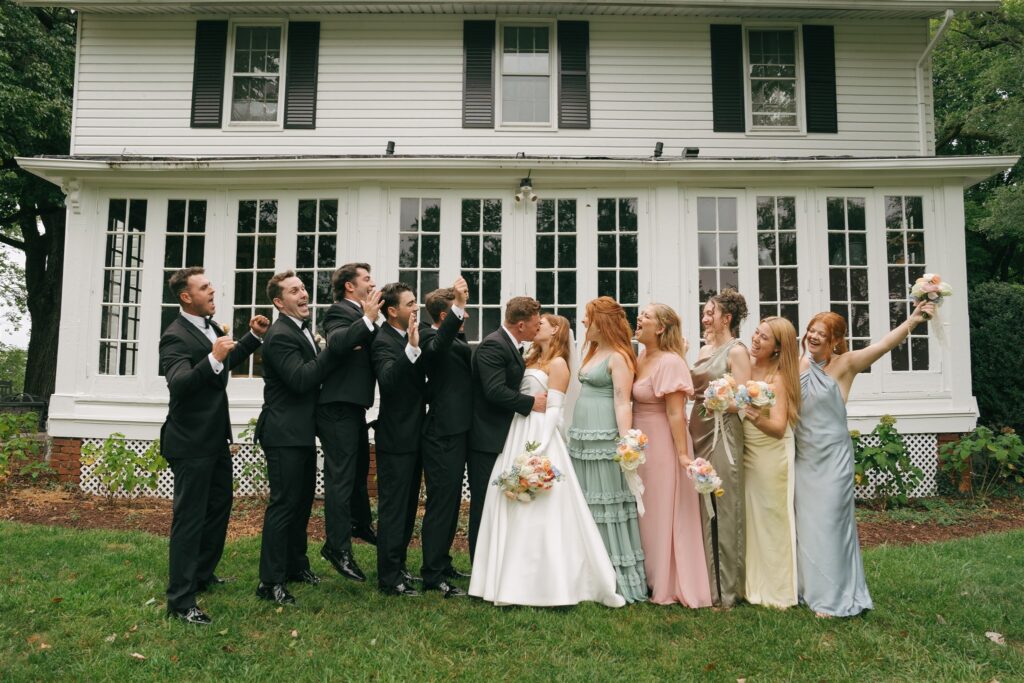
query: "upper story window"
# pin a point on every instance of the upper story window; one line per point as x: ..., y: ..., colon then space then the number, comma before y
x: 772, y: 79
x: 256, y: 68
x: 526, y: 77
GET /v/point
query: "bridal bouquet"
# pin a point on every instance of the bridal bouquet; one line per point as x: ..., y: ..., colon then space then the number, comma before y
x: 718, y: 397
x: 705, y: 478
x: 630, y: 455
x: 756, y: 393
x: 931, y: 288
x: 529, y: 475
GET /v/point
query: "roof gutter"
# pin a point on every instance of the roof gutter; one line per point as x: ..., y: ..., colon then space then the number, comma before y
x: 925, y: 146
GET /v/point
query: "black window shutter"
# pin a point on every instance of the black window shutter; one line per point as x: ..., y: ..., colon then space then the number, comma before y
x: 478, y: 74
x: 820, y: 79
x: 301, y: 74
x: 208, y: 74
x: 573, y: 74
x: 727, y: 107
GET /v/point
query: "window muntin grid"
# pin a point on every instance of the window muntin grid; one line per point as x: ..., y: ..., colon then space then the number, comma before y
x: 618, y: 272
x: 846, y: 226
x: 556, y: 262
x: 480, y: 262
x: 120, y: 312
x: 717, y: 247
x: 316, y: 252
x: 778, y: 285
x: 905, y: 262
x: 184, y: 244
x: 255, y: 260
x: 419, y: 244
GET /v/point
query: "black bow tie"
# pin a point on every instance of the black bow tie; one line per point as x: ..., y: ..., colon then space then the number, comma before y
x: 522, y: 350
x: 307, y: 325
x: 209, y: 322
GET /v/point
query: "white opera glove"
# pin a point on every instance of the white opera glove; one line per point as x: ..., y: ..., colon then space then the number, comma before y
x: 552, y: 416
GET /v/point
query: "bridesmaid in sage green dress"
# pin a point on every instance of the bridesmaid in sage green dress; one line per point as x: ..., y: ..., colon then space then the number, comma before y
x: 829, y: 567
x: 724, y: 538
x: 603, y: 412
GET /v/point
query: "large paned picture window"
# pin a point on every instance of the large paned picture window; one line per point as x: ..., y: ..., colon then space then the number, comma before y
x: 526, y: 65
x: 772, y: 79
x: 618, y: 272
x: 256, y: 68
x: 480, y: 263
x: 419, y: 244
x: 316, y: 252
x: 556, y: 257
x: 255, y: 258
x: 778, y: 286
x: 848, y: 266
x: 184, y: 243
x: 717, y: 246
x: 122, y: 286
x: 904, y: 240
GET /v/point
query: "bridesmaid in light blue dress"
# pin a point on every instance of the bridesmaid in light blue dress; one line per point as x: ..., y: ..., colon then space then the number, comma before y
x: 830, y: 572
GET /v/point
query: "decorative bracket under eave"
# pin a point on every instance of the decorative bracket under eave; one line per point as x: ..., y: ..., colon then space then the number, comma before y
x: 72, y: 189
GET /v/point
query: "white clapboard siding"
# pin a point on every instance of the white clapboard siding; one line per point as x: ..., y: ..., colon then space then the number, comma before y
x: 388, y: 77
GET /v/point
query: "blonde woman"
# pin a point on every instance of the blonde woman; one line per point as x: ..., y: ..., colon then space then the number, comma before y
x: 768, y: 454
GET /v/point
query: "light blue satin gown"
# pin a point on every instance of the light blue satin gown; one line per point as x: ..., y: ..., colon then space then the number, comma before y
x: 830, y: 573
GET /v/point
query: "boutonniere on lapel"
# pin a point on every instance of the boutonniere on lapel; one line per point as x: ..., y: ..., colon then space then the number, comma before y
x: 320, y: 341
x: 227, y: 329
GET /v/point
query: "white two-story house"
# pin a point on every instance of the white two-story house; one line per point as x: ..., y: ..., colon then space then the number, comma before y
x: 650, y: 151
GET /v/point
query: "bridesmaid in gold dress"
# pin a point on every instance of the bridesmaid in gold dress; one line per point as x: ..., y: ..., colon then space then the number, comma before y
x: 724, y: 544
x: 768, y: 455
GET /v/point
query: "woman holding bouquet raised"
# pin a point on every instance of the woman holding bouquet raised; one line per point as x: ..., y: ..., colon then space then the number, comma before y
x: 722, y: 354
x: 670, y: 528
x: 830, y: 570
x: 768, y: 453
x: 603, y: 413
x: 538, y: 544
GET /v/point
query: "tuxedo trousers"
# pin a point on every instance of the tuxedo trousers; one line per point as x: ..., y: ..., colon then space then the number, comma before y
x: 398, y: 495
x: 292, y: 475
x: 345, y: 439
x: 479, y: 466
x: 444, y: 464
x: 199, y: 523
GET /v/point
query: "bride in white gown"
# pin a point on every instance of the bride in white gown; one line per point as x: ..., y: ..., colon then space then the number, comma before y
x: 547, y: 552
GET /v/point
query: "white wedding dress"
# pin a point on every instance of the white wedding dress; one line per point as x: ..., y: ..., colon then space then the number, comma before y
x: 547, y: 552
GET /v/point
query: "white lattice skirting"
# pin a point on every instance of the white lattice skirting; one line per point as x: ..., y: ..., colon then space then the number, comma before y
x: 250, y: 471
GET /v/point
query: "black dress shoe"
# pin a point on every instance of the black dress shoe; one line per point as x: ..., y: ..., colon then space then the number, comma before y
x: 276, y: 592
x: 214, y: 580
x: 365, y: 532
x: 453, y: 573
x: 344, y: 563
x: 408, y: 578
x: 305, y: 576
x: 401, y: 590
x: 447, y: 589
x: 192, y: 615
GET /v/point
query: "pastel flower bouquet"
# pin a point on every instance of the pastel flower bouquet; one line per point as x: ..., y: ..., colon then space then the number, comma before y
x: 931, y: 287
x: 706, y: 481
x: 529, y: 475
x: 718, y: 398
x: 756, y: 393
x: 630, y: 455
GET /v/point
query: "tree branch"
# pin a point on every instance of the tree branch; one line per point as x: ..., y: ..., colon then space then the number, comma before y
x: 11, y: 242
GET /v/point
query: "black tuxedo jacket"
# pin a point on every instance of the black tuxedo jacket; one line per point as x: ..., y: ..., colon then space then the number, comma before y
x: 497, y: 373
x: 447, y: 361
x: 292, y: 374
x: 198, y: 423
x: 402, y: 402
x: 349, y: 339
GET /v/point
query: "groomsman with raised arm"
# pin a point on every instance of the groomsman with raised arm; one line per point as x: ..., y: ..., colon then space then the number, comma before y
x: 196, y: 357
x: 350, y: 327
x: 293, y: 369
x: 396, y: 353
x: 446, y: 361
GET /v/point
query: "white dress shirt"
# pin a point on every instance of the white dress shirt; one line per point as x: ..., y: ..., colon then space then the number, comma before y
x: 200, y: 323
x: 305, y: 332
x: 515, y: 342
x: 411, y: 352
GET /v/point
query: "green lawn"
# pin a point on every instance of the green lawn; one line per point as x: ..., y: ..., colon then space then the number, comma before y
x: 76, y: 605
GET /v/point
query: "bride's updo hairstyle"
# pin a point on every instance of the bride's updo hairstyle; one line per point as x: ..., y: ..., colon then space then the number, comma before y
x: 557, y: 347
x: 606, y: 316
x: 836, y: 326
x: 732, y: 302
x: 671, y: 338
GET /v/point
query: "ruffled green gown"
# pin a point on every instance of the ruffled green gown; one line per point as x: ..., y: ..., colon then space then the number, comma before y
x: 592, y: 441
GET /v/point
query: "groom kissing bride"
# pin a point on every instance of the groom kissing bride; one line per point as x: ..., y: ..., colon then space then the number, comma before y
x: 546, y: 552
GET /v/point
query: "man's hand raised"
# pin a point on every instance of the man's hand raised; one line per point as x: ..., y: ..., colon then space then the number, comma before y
x: 222, y: 347
x: 372, y: 304
x: 414, y: 329
x: 461, y: 288
x: 259, y: 324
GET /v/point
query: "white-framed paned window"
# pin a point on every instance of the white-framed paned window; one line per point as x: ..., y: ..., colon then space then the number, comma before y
x: 772, y: 79
x: 778, y: 285
x: 184, y: 244
x: 555, y: 252
x: 122, y: 286
x: 618, y: 271
x: 526, y: 74
x: 419, y: 244
x: 255, y: 68
x: 717, y: 247
x: 255, y: 259
x: 905, y: 262
x: 848, y: 273
x: 480, y: 264
x: 316, y: 252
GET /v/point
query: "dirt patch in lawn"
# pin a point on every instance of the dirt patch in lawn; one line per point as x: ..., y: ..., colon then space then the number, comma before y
x: 946, y: 519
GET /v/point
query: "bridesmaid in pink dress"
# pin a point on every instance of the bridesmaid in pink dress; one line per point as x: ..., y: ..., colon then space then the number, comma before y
x: 670, y: 529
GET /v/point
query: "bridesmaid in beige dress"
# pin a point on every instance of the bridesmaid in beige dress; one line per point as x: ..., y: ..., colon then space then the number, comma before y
x: 768, y: 455
x: 724, y: 544
x: 670, y: 529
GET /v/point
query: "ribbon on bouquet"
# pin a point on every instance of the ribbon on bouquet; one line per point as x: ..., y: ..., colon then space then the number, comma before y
x: 636, y: 487
x: 708, y: 505
x: 720, y: 426
x: 936, y: 326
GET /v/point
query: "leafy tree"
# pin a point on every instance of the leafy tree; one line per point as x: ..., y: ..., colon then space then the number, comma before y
x: 37, y: 58
x: 12, y: 366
